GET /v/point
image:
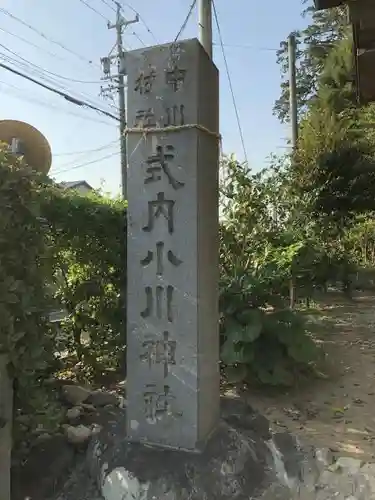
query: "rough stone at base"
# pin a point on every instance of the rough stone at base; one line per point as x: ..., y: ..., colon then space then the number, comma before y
x: 238, y: 462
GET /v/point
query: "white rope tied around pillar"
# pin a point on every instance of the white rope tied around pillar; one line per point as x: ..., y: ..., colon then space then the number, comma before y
x: 171, y: 128
x: 144, y: 131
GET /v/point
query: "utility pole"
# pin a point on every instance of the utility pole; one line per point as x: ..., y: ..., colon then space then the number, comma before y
x: 119, y: 78
x: 293, y: 89
x: 294, y: 123
x: 205, y: 25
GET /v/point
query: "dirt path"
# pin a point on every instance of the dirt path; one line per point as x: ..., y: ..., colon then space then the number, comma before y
x: 338, y: 412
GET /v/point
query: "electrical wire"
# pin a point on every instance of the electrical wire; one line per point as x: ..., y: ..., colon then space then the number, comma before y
x: 86, y: 163
x: 94, y: 10
x: 108, y: 5
x: 38, y: 71
x: 32, y: 100
x: 142, y: 138
x: 87, y: 151
x: 66, y: 96
x: 141, y: 19
x: 250, y: 47
x: 230, y: 81
x: 139, y: 38
x: 31, y: 44
x: 184, y: 24
x: 35, y: 30
x: 47, y: 71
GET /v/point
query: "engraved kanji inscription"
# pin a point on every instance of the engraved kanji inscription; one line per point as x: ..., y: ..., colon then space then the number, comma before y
x: 175, y: 261
x: 158, y: 163
x: 154, y: 302
x: 158, y: 405
x: 175, y: 77
x: 145, y: 118
x: 145, y: 80
x: 159, y: 207
x: 175, y: 116
x: 159, y: 352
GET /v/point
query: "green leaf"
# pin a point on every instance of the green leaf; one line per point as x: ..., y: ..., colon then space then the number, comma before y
x: 304, y: 351
x: 236, y: 374
x: 231, y: 352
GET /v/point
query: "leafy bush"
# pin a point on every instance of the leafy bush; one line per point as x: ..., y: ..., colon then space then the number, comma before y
x: 260, y: 337
x: 88, y: 237
x: 25, y: 334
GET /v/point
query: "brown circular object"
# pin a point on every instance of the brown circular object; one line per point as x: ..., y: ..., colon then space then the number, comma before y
x: 37, y: 151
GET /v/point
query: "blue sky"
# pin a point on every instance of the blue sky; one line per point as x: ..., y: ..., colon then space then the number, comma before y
x: 251, y: 31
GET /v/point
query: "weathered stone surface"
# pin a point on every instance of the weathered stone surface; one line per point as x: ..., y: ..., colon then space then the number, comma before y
x: 324, y: 458
x: 74, y: 413
x: 77, y: 435
x: 102, y: 398
x: 236, y: 463
x: 347, y: 465
x: 172, y: 311
x: 243, y: 460
x: 75, y: 394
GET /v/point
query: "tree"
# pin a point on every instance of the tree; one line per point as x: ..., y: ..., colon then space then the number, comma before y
x: 335, y: 161
x: 259, y: 254
x: 313, y: 47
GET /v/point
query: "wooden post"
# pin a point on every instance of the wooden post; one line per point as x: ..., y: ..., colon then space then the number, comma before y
x: 6, y: 415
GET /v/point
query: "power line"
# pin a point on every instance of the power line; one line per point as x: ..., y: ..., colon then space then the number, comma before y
x: 93, y: 9
x: 141, y: 19
x: 249, y: 47
x: 139, y: 38
x: 87, y: 151
x: 66, y: 96
x: 31, y: 43
x: 184, y: 24
x: 46, y: 70
x: 85, y: 164
x: 38, y: 71
x: 109, y: 5
x: 103, y: 158
x: 35, y: 30
x: 32, y: 100
x: 230, y: 81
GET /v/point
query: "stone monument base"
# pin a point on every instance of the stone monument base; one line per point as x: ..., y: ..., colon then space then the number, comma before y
x: 242, y: 460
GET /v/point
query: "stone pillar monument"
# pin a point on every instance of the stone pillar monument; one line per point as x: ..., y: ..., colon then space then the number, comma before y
x: 172, y: 306
x: 172, y: 311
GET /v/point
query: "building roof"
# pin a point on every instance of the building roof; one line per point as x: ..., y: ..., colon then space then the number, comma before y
x: 75, y: 184
x: 327, y: 4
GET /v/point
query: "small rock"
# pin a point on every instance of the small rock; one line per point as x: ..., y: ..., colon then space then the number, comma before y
x: 101, y: 398
x: 75, y: 394
x: 77, y: 435
x: 88, y: 407
x: 358, y: 401
x: 43, y: 437
x: 95, y: 429
x: 347, y: 465
x: 324, y: 457
x: 292, y: 413
x: 74, y: 413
